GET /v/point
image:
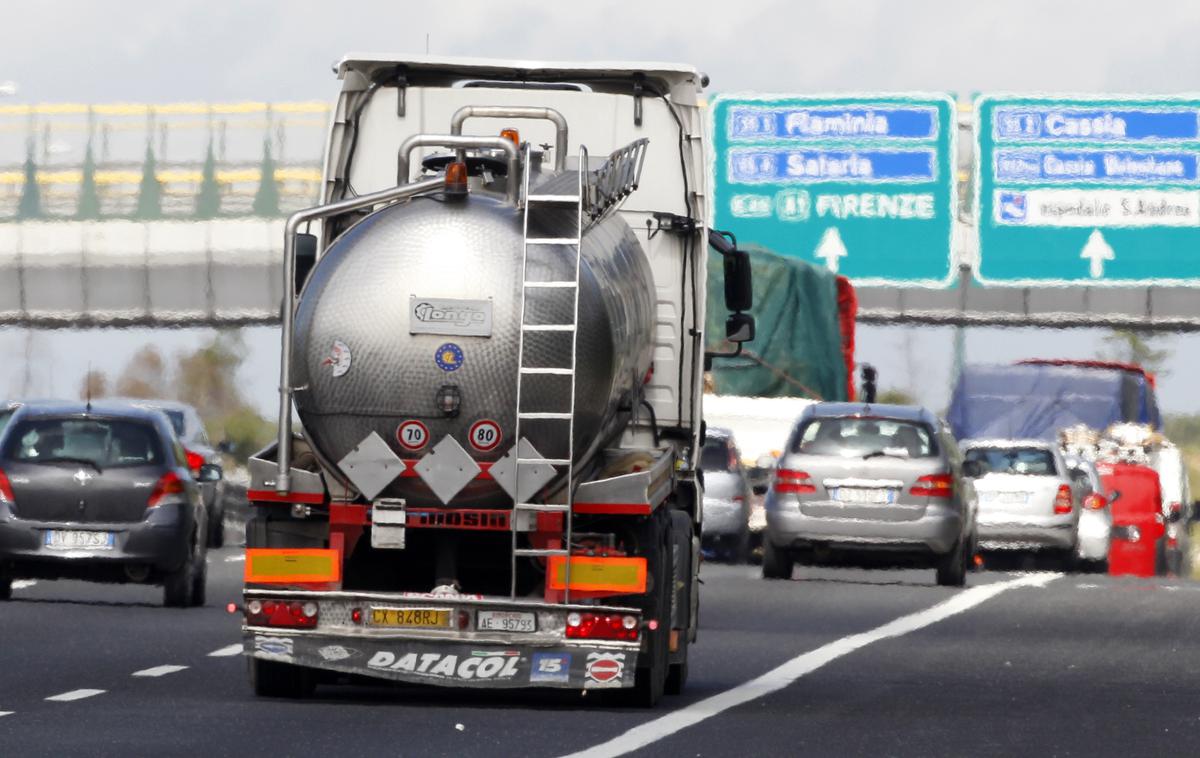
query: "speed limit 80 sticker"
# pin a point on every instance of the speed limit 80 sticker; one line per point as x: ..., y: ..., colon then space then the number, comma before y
x: 412, y: 435
x: 484, y: 435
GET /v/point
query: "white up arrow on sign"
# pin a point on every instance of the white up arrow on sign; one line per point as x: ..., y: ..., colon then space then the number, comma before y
x: 831, y: 248
x: 1097, y: 251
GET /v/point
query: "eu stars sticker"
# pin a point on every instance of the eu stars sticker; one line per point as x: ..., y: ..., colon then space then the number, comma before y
x: 449, y: 357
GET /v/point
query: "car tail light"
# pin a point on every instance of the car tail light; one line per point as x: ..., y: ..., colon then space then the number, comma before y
x: 1174, y: 508
x: 6, y: 493
x: 194, y: 462
x: 1062, y: 501
x: 602, y: 626
x: 1095, y: 502
x: 790, y: 480
x: 169, y: 484
x: 295, y: 613
x: 933, y: 485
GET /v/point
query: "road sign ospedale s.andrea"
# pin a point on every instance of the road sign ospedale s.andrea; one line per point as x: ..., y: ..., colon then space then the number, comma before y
x: 863, y: 185
x: 1097, y: 190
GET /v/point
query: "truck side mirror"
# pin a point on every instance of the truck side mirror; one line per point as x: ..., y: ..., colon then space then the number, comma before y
x: 739, y: 289
x: 306, y: 258
x: 739, y: 327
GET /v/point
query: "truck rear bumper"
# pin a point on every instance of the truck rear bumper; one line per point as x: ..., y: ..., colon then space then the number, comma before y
x: 458, y: 657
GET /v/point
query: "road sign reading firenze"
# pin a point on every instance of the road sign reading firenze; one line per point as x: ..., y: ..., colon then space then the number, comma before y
x: 1088, y: 190
x: 861, y: 185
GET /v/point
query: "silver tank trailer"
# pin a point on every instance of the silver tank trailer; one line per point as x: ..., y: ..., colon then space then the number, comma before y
x: 360, y: 296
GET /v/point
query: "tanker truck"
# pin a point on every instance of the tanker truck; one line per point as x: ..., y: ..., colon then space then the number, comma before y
x: 490, y: 385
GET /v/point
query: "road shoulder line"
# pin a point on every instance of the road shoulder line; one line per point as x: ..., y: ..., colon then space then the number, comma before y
x: 805, y: 663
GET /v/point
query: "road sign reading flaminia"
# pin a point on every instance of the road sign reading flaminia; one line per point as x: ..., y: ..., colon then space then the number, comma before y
x: 862, y: 185
x: 1088, y: 190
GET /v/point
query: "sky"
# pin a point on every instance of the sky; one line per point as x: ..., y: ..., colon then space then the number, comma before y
x: 196, y: 50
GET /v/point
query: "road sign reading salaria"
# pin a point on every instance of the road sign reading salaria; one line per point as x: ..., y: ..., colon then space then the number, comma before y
x: 1088, y: 190
x: 863, y: 185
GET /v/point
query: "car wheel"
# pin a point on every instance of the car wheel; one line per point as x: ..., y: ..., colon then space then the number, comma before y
x: 776, y: 562
x: 216, y: 529
x: 179, y: 586
x: 275, y: 679
x: 200, y: 581
x: 952, y: 567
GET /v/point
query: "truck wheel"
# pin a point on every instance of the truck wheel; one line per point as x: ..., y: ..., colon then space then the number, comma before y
x: 776, y: 562
x: 952, y: 567
x: 650, y: 678
x: 275, y: 679
x: 677, y: 675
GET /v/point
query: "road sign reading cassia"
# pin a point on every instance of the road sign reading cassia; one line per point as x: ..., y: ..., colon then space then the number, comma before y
x: 1088, y: 190
x: 863, y: 185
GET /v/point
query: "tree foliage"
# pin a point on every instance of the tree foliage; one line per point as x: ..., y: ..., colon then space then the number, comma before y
x: 1131, y: 347
x: 149, y: 205
x: 30, y: 205
x: 94, y: 385
x: 895, y: 396
x: 208, y: 202
x: 89, y: 197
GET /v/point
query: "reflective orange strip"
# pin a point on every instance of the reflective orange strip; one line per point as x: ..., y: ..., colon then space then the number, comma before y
x: 599, y: 574
x: 283, y: 566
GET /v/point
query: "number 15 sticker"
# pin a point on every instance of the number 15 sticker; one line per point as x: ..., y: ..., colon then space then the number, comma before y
x: 412, y: 435
x: 485, y: 435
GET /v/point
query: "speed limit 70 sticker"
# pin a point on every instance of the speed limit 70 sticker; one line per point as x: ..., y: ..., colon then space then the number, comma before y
x: 484, y: 435
x: 412, y: 434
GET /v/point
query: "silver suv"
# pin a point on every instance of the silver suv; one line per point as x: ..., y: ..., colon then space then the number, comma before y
x: 877, y: 485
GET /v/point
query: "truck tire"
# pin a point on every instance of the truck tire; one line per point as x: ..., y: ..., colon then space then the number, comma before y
x: 650, y: 677
x: 276, y: 679
x: 683, y: 600
x: 776, y: 562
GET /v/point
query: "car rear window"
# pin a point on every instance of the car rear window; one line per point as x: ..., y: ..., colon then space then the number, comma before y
x: 176, y: 421
x: 1031, y: 461
x: 857, y: 437
x: 103, y: 442
x: 717, y: 455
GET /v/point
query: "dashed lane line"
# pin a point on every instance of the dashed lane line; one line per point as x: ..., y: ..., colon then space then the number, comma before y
x: 21, y: 584
x: 67, y: 697
x: 787, y: 673
x: 235, y: 558
x: 169, y: 668
x: 225, y: 652
x: 6, y: 713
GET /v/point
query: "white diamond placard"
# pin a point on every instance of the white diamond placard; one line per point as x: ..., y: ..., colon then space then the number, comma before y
x: 371, y: 466
x: 447, y: 469
x: 534, y: 476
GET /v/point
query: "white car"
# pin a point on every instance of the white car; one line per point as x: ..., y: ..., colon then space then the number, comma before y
x: 1095, y: 518
x: 1028, y: 501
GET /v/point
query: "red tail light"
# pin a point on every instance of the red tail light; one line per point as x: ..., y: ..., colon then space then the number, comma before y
x: 194, y: 462
x: 934, y: 485
x: 281, y: 613
x: 169, y: 484
x: 6, y: 493
x: 790, y: 480
x: 1062, y: 501
x: 1174, y: 508
x: 602, y: 626
x: 1095, y: 502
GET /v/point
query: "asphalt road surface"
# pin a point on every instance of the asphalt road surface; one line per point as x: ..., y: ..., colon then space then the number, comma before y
x: 835, y: 662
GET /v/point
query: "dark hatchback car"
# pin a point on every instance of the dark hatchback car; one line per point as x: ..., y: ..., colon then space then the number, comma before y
x: 102, y: 493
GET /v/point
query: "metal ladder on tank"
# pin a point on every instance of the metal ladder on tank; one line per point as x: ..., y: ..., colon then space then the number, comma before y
x: 567, y: 416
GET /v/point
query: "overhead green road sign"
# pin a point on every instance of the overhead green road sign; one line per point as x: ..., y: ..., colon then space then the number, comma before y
x: 1088, y: 190
x: 863, y: 185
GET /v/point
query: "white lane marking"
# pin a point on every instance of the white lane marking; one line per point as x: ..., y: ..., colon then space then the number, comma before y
x: 21, y: 584
x: 66, y: 697
x: 7, y: 713
x: 787, y: 673
x: 225, y: 652
x: 235, y: 558
x: 163, y: 670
